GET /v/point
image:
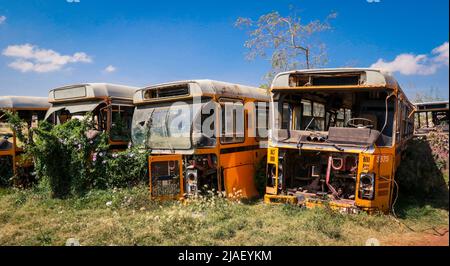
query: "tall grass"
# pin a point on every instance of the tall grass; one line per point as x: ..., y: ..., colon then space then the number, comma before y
x: 128, y: 217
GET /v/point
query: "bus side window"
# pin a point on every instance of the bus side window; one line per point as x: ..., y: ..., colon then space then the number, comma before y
x: 262, y: 120
x: 319, y: 116
x: 307, y: 113
x: 232, y: 120
x: 121, y: 122
x: 285, y: 116
x: 399, y: 119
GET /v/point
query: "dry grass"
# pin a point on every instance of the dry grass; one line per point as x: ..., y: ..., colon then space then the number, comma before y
x: 128, y: 217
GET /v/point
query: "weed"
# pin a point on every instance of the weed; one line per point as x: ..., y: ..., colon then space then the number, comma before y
x: 325, y: 221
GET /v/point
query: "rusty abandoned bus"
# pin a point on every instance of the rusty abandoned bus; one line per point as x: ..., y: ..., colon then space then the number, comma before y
x: 31, y: 110
x: 336, y: 139
x: 111, y: 106
x: 191, y: 150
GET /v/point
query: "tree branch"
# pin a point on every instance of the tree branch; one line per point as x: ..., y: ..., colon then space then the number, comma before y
x: 294, y: 45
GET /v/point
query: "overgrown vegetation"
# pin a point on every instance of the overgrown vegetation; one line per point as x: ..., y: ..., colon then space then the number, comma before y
x: 6, y: 170
x: 105, y: 203
x: 74, y: 158
x: 424, y: 167
x: 127, y: 217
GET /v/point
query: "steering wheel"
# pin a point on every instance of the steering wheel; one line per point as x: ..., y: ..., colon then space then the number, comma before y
x: 351, y: 123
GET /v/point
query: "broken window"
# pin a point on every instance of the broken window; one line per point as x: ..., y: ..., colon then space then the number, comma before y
x: 321, y: 110
x: 121, y: 122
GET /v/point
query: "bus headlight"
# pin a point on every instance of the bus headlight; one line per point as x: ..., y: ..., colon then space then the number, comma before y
x: 191, y: 182
x: 367, y: 186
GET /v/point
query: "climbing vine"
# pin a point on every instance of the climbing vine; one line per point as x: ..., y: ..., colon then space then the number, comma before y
x: 73, y: 158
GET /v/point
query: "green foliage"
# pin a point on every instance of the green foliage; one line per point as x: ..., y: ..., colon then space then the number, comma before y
x: 127, y: 168
x: 66, y: 158
x: 325, y: 221
x: 16, y: 125
x: 73, y: 158
x: 7, y: 176
x: 6, y: 170
x: 126, y: 216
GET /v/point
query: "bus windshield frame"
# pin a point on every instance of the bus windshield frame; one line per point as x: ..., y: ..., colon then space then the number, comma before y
x: 167, y: 126
x: 304, y: 115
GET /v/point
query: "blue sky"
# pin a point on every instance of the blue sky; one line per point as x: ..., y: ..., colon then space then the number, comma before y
x: 46, y: 44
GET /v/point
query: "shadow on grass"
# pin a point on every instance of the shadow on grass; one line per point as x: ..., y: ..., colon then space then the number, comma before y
x: 251, y: 201
x: 422, y: 185
x: 408, y: 206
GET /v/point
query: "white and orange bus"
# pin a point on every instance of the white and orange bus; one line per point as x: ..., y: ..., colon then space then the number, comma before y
x: 336, y: 138
x: 111, y: 106
x: 29, y: 109
x: 201, y: 134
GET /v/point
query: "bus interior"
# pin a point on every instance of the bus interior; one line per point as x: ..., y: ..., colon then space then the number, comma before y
x: 340, y: 120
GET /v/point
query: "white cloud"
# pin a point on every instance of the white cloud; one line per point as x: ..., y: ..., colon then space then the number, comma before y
x: 407, y: 64
x: 410, y: 64
x: 110, y: 69
x: 373, y: 1
x: 31, y: 58
x: 2, y: 19
x: 441, y: 53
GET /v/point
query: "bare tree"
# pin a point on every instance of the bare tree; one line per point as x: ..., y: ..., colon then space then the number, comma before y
x: 286, y: 41
x: 427, y: 96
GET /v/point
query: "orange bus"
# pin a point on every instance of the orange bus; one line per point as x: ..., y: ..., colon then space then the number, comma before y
x: 111, y: 106
x: 336, y: 138
x: 31, y: 110
x: 203, y: 135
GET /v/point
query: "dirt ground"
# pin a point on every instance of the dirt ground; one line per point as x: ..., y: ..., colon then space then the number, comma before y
x: 425, y: 238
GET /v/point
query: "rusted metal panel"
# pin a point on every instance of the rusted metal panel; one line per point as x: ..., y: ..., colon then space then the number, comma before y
x: 371, y: 78
x: 203, y: 87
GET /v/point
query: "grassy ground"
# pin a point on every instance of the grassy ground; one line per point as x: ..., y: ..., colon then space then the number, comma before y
x: 128, y: 217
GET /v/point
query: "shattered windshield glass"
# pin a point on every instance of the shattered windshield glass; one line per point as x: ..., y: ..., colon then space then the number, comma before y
x: 163, y: 127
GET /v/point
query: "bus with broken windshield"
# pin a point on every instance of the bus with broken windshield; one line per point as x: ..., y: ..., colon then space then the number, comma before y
x: 336, y: 138
x: 203, y: 135
x: 31, y: 110
x: 111, y: 106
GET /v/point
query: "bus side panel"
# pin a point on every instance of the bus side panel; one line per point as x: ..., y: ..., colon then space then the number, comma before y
x: 381, y: 164
x: 384, y: 165
x: 239, y: 171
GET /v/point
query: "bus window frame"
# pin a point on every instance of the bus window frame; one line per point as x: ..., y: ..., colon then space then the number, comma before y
x: 110, y: 123
x: 257, y: 127
x: 222, y: 134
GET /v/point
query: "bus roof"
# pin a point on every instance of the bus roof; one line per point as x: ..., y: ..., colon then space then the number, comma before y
x: 432, y: 106
x: 338, y: 78
x: 23, y: 102
x: 368, y: 77
x: 84, y: 91
x: 431, y: 103
x: 201, y: 87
